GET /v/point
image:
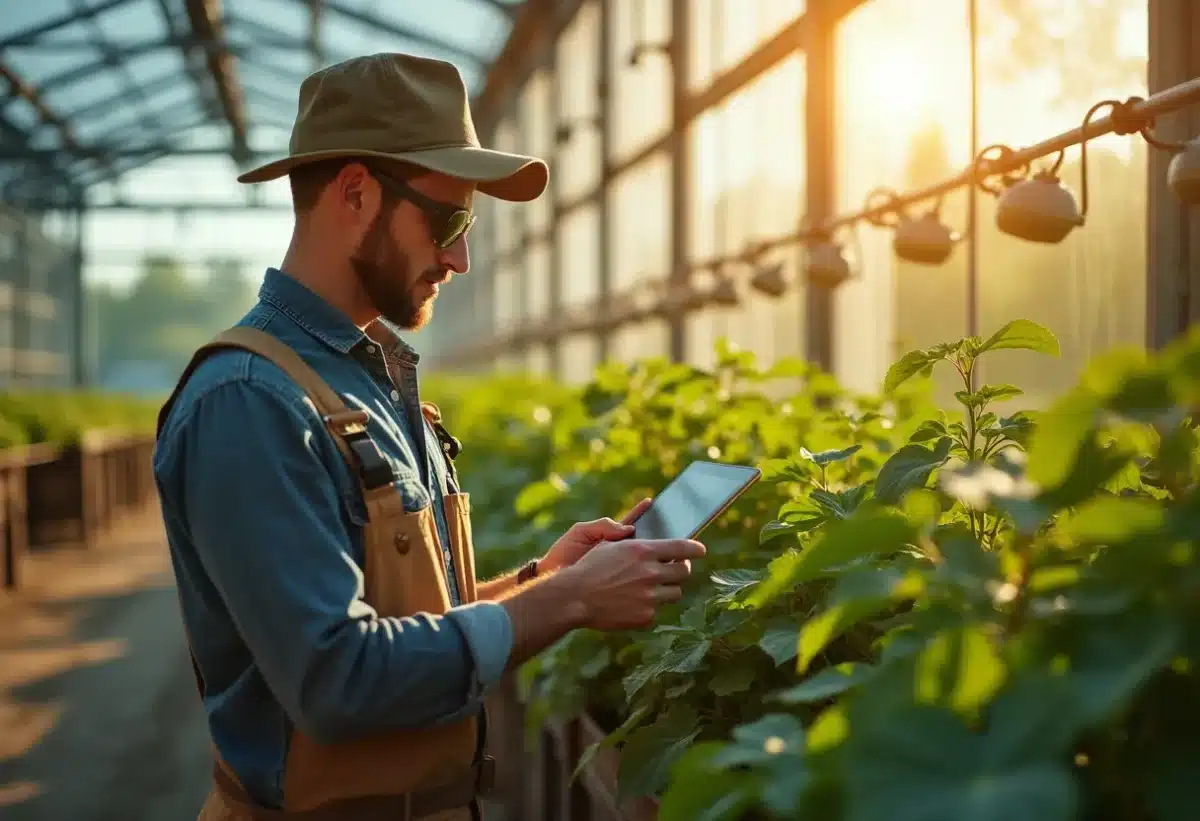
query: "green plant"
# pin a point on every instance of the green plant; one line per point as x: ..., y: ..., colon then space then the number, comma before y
x: 1034, y: 621
x: 918, y: 614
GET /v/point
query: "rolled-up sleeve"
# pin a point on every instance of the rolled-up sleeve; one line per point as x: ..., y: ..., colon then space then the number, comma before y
x: 265, y: 518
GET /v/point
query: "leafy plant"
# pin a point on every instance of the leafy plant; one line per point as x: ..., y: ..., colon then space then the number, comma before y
x: 919, y: 614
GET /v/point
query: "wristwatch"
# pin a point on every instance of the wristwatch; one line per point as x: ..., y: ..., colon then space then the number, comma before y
x: 527, y: 572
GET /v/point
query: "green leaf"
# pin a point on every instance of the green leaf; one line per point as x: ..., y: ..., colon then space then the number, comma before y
x: 1111, y: 657
x: 1112, y: 519
x: 1058, y: 436
x: 908, y: 366
x: 775, y: 529
x: 650, y: 751
x: 864, y: 534
x: 922, y: 764
x: 1025, y: 335
x: 960, y: 669
x: 732, y: 582
x: 830, y: 682
x: 780, y: 639
x: 632, y: 721
x: 828, y: 457
x: 763, y: 741
x: 540, y: 495
x: 732, y: 678
x: 909, y: 468
x: 698, y: 791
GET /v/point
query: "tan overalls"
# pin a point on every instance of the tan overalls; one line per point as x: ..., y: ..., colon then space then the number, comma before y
x: 431, y: 773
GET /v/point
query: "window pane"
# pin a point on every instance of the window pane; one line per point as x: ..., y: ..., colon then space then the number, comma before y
x: 537, y: 280
x: 642, y: 92
x: 748, y: 184
x: 579, y: 249
x: 1089, y: 289
x: 537, y: 134
x: 578, y: 165
x: 640, y: 209
x: 537, y: 360
x: 506, y: 298
x: 507, y: 215
x: 903, y: 121
x: 725, y: 31
x: 648, y: 339
x: 577, y: 358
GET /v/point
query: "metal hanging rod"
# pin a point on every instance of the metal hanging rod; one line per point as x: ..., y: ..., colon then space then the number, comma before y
x: 1145, y: 111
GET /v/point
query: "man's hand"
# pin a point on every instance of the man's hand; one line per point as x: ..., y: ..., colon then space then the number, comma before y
x: 621, y: 585
x: 583, y: 536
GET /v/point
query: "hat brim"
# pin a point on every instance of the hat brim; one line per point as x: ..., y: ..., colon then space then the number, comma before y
x: 511, y: 177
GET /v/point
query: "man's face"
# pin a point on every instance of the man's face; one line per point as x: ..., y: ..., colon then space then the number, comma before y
x: 397, y: 262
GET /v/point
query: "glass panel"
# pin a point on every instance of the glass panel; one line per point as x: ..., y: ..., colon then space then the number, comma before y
x: 577, y: 358
x: 578, y: 161
x: 506, y: 298
x: 537, y: 281
x: 536, y: 135
x: 537, y: 360
x: 903, y: 120
x: 579, y: 248
x: 640, y: 341
x: 725, y: 31
x: 507, y: 215
x: 748, y: 184
x: 1089, y: 289
x: 640, y: 211
x: 642, y: 92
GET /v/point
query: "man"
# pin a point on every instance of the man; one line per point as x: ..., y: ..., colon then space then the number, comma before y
x: 320, y: 541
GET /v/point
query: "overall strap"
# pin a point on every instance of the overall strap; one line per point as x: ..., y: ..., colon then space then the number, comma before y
x: 451, y: 446
x: 348, y: 427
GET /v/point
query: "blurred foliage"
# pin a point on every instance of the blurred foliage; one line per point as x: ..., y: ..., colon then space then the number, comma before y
x: 920, y: 614
x: 63, y: 417
x: 166, y: 315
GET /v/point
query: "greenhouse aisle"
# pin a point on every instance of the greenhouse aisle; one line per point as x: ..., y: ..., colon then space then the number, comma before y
x: 98, y: 711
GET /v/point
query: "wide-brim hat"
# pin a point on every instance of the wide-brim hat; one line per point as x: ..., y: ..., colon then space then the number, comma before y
x: 400, y: 108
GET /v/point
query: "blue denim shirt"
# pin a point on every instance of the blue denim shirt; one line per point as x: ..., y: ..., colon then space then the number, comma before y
x: 264, y: 521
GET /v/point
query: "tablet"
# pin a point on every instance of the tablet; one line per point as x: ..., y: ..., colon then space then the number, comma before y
x: 693, y: 499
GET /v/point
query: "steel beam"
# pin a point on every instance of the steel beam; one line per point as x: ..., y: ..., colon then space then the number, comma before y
x: 391, y: 29
x: 316, y: 10
x: 205, y: 18
x: 115, y: 61
x: 31, y: 95
x: 32, y: 35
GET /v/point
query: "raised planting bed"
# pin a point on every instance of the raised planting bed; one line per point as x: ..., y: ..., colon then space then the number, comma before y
x: 74, y: 496
x: 14, y: 522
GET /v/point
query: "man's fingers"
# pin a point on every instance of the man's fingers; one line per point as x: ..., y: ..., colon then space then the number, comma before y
x: 674, y: 572
x: 666, y: 593
x: 673, y: 550
x: 637, y: 510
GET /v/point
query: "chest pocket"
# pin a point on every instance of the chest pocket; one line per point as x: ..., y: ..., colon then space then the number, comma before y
x: 404, y: 572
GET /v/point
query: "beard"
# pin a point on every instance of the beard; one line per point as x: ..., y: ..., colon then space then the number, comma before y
x: 386, y: 274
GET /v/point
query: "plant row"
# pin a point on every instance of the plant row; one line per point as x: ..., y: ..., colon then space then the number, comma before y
x: 63, y: 417
x: 920, y: 614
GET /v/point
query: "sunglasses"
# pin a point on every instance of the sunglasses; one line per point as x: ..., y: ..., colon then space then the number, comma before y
x: 448, y: 223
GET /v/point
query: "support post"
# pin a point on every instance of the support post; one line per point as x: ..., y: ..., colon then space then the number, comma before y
x: 820, y: 125
x: 680, y: 53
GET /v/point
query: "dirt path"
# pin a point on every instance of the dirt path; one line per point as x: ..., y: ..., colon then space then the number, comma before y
x: 99, y: 717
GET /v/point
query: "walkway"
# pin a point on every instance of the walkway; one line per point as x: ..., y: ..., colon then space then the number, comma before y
x: 99, y: 717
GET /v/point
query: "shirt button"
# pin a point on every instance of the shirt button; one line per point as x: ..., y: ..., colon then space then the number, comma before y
x: 395, y: 396
x: 370, y: 349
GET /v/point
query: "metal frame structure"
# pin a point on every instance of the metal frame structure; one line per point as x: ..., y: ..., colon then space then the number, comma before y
x: 46, y: 165
x: 1173, y: 280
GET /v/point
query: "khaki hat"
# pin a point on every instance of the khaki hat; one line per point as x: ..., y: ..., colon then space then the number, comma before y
x: 403, y: 108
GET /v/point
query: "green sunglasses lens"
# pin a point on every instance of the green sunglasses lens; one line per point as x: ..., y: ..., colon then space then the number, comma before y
x: 455, y: 227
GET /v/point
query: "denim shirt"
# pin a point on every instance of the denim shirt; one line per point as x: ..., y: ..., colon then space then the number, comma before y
x: 264, y: 521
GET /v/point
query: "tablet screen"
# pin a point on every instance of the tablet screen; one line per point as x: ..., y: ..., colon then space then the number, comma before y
x: 692, y: 499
